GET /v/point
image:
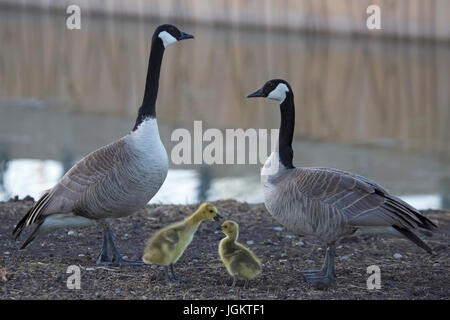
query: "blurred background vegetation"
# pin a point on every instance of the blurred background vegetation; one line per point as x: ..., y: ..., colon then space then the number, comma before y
x: 374, y: 102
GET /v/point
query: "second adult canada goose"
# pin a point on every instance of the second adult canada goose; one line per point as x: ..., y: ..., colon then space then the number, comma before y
x: 324, y: 202
x: 115, y: 180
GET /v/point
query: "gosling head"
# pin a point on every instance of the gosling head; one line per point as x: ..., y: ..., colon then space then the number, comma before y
x: 207, y: 211
x: 276, y: 89
x: 231, y: 229
x: 169, y: 34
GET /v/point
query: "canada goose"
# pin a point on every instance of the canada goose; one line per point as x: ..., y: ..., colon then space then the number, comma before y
x: 238, y: 259
x: 115, y: 180
x: 324, y: 202
x: 167, y: 245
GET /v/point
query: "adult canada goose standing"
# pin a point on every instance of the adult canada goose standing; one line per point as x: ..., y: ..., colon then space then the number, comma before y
x: 325, y: 202
x: 115, y: 180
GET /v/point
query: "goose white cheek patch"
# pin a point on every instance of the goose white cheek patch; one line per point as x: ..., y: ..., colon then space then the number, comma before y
x: 279, y: 93
x: 166, y: 38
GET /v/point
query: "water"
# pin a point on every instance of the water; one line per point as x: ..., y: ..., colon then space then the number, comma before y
x: 377, y: 108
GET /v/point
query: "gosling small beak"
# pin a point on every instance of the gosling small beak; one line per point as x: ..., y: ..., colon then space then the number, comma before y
x: 219, y: 228
x: 257, y: 93
x: 185, y: 35
x: 217, y: 217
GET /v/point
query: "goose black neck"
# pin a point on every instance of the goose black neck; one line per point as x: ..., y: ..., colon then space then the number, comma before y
x: 152, y: 83
x: 287, y: 126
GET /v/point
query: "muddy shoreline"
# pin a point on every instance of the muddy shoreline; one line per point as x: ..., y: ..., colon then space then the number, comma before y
x: 39, y: 271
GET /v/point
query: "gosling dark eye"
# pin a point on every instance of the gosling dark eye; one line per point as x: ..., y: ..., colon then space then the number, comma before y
x: 225, y: 227
x: 211, y: 211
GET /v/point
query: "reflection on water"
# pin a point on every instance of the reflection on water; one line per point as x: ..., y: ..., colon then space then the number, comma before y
x: 377, y: 108
x: 30, y: 177
x: 24, y: 177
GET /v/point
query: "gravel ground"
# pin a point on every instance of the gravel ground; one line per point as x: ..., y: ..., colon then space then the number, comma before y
x: 39, y: 271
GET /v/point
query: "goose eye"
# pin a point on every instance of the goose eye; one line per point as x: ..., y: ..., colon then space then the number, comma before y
x: 211, y: 211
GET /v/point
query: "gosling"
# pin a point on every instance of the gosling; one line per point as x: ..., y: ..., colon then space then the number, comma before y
x: 238, y: 259
x: 167, y: 245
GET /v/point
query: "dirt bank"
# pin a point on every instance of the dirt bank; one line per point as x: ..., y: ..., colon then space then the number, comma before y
x: 39, y: 271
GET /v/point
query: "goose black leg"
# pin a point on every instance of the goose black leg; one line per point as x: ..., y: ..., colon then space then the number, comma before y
x: 326, y: 275
x: 318, y: 271
x: 110, y: 255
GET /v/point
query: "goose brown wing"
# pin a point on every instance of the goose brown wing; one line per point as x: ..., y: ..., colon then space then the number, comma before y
x: 362, y: 201
x: 88, y: 172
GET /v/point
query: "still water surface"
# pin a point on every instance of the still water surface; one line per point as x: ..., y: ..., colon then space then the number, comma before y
x: 377, y: 108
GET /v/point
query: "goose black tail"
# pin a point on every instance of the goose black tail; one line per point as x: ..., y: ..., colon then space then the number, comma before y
x: 33, y: 215
x: 411, y: 236
x: 20, y: 225
x: 32, y: 236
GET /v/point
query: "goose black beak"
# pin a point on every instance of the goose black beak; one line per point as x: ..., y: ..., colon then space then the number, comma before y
x: 185, y: 35
x: 217, y: 217
x: 257, y: 93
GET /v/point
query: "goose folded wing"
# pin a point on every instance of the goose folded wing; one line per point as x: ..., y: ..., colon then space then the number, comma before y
x: 73, y: 187
x: 362, y: 201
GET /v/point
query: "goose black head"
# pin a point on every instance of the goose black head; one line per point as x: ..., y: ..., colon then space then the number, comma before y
x: 170, y: 34
x: 276, y: 89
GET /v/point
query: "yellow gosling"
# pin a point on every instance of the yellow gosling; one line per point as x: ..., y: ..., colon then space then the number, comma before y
x: 238, y: 259
x: 167, y: 245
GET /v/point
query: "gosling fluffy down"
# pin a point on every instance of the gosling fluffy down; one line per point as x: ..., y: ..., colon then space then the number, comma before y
x: 239, y: 260
x: 167, y: 245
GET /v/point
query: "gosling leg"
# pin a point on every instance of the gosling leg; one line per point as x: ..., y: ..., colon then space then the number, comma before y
x: 326, y: 275
x: 173, y: 273
x: 246, y: 284
x: 110, y: 255
x: 175, y: 278
x: 166, y: 269
x: 234, y: 282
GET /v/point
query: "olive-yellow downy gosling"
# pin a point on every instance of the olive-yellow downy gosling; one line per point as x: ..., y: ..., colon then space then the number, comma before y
x: 238, y: 259
x: 167, y: 245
